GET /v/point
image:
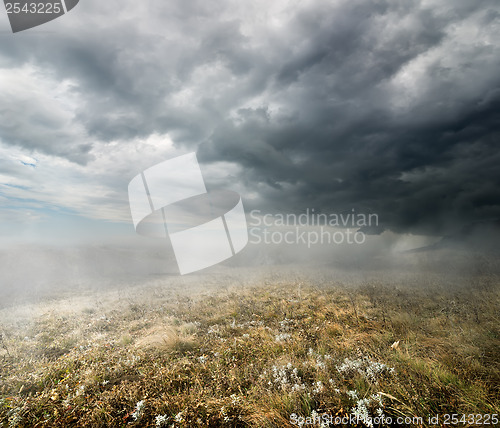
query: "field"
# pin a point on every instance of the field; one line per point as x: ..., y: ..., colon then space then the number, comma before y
x: 271, y: 351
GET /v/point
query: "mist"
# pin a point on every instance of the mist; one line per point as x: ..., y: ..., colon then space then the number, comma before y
x: 36, y: 271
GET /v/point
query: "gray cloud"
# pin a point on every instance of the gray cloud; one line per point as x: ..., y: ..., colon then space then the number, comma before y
x: 385, y: 107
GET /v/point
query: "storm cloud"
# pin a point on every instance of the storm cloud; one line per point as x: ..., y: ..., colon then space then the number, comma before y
x: 385, y: 107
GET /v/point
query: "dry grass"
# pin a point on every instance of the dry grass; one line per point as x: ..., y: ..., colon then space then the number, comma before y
x: 251, y: 356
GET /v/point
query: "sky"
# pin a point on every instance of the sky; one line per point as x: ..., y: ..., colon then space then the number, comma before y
x: 386, y: 107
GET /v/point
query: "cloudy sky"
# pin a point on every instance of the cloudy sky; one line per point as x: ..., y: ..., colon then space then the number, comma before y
x: 390, y: 107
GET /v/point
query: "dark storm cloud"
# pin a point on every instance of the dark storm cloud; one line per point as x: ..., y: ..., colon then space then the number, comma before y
x: 386, y: 107
x: 427, y: 167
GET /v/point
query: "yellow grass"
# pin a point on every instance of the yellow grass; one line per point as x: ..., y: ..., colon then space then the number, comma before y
x: 251, y: 355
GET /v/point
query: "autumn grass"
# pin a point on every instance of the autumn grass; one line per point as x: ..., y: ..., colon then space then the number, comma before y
x: 253, y: 355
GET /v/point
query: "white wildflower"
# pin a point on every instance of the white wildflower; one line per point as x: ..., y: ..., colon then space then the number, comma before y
x: 285, y: 324
x: 298, y: 387
x: 317, y: 387
x: 377, y: 398
x: 353, y: 395
x: 364, y: 406
x: 286, y: 377
x: 224, y: 414
x: 361, y: 412
x: 161, y: 421
x: 15, y: 418
x: 320, y: 365
x: 321, y: 360
x: 370, y: 370
x: 139, y: 410
x: 282, y: 337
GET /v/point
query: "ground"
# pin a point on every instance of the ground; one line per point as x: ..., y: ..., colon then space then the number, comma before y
x: 272, y: 351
